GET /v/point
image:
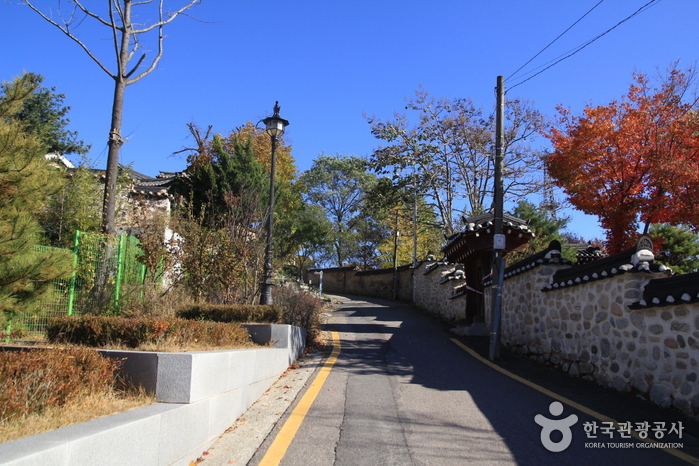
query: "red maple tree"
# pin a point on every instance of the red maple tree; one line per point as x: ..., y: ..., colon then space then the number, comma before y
x: 632, y: 160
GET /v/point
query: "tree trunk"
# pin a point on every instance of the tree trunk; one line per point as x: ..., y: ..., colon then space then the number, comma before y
x: 115, y: 143
x: 115, y: 139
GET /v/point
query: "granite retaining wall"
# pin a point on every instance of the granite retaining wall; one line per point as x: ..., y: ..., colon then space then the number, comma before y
x: 203, y: 393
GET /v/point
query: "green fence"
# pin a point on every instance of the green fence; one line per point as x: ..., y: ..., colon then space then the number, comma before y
x: 106, y: 278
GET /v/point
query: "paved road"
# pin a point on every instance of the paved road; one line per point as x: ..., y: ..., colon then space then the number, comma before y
x: 403, y: 393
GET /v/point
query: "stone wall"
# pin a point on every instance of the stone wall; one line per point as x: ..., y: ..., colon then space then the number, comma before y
x: 379, y: 284
x: 588, y: 330
x: 334, y: 279
x: 594, y: 324
x: 372, y: 284
x: 435, y: 285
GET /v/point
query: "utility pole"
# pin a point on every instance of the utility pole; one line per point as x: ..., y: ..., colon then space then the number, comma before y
x: 549, y: 205
x: 498, y: 237
x: 414, y: 221
x: 396, y: 235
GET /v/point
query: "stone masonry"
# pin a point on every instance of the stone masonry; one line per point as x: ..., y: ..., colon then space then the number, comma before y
x: 597, y: 327
x: 589, y: 331
x: 435, y: 284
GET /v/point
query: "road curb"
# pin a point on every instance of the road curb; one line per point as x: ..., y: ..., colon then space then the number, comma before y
x: 240, y: 442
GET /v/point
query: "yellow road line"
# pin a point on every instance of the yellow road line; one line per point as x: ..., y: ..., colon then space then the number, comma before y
x: 281, y: 443
x: 571, y: 403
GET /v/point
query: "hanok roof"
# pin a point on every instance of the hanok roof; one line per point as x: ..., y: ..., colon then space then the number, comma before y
x: 587, y: 253
x: 680, y: 289
x: 550, y: 255
x: 158, y: 186
x: 147, y: 185
x: 429, y: 268
x: 636, y: 259
x: 478, y: 236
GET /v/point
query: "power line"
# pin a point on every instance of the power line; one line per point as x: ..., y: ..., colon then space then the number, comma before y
x: 578, y: 49
x: 554, y: 40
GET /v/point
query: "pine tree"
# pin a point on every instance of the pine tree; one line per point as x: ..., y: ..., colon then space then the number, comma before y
x: 209, y: 188
x: 676, y: 246
x: 545, y: 228
x: 26, y: 181
x: 44, y: 116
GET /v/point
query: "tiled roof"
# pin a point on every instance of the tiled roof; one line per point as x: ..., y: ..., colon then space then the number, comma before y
x: 478, y: 233
x: 485, y: 222
x: 429, y: 268
x: 144, y: 184
x: 460, y: 290
x: 630, y: 260
x: 588, y: 253
x: 134, y: 174
x: 550, y: 255
x: 456, y: 274
x: 347, y: 268
x: 680, y: 289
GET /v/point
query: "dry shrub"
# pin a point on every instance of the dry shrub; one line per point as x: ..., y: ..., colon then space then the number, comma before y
x: 14, y: 334
x: 211, y: 333
x: 102, y: 331
x: 242, y: 313
x: 154, y: 301
x: 301, y: 309
x: 293, y: 306
x: 85, y: 408
x: 37, y: 379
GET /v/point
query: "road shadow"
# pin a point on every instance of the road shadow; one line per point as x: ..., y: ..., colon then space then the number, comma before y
x: 417, y: 348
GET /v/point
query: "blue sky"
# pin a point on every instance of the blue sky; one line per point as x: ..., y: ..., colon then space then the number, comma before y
x: 329, y: 62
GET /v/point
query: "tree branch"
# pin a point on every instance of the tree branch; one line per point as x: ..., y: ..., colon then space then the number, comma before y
x: 171, y: 16
x: 155, y: 61
x: 140, y: 60
x: 115, y: 36
x: 91, y: 14
x: 67, y: 32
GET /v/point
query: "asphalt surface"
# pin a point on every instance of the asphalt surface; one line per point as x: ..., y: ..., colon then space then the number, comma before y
x: 402, y: 392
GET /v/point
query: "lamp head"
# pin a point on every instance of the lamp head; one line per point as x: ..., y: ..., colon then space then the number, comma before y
x: 275, y: 125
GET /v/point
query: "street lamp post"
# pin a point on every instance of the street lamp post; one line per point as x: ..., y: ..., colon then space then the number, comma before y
x: 274, y: 126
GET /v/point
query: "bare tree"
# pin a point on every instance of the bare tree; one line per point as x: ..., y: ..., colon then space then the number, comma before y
x: 126, y: 42
x: 446, y: 155
x: 199, y: 154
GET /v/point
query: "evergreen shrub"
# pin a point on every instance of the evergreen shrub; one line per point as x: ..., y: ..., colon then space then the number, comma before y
x: 102, y: 331
x: 293, y: 307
